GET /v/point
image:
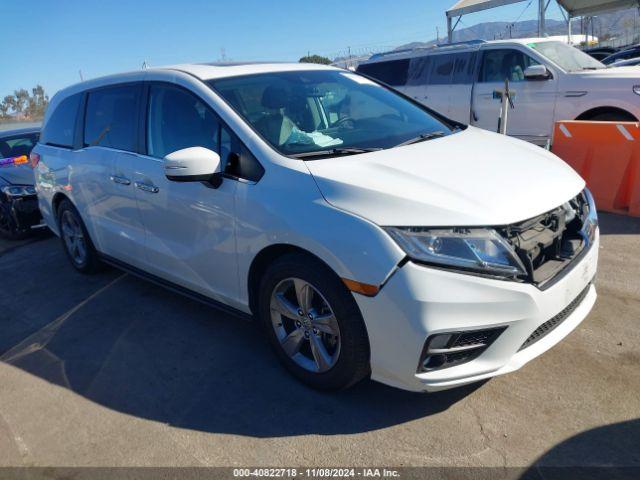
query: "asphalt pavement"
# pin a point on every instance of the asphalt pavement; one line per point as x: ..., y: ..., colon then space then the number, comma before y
x: 109, y: 370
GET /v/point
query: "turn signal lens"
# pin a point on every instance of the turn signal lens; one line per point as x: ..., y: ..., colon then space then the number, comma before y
x: 362, y: 288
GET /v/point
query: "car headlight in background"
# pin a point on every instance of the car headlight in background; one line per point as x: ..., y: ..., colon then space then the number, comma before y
x: 480, y: 250
x: 18, y: 191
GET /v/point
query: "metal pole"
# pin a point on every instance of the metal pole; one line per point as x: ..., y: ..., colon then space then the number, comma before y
x: 449, y: 30
x: 569, y: 31
x: 504, y: 108
x: 541, y: 12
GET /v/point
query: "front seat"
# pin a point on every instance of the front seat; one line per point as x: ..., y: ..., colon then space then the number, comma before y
x: 275, y: 126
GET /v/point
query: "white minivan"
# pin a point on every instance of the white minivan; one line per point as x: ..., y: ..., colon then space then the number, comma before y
x: 369, y: 236
x: 550, y: 81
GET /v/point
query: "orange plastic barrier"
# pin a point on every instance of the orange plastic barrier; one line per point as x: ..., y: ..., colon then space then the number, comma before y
x: 607, y: 156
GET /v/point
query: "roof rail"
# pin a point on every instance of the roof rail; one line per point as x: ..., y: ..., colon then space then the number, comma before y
x: 468, y: 42
x: 430, y: 47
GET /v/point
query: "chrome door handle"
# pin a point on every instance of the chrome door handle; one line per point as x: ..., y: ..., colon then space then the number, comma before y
x: 145, y: 187
x: 120, y: 180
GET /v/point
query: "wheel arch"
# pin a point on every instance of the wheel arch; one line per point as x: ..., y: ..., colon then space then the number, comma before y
x: 266, y: 257
x: 56, y: 201
x: 591, y: 113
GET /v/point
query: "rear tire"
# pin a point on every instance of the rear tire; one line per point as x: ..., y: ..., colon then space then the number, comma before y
x: 322, y: 339
x: 76, y: 241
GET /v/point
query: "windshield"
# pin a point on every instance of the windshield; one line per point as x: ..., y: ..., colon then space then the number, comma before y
x: 301, y: 113
x: 566, y: 57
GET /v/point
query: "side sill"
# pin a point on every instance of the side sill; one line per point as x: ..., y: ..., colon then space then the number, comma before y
x: 223, y: 307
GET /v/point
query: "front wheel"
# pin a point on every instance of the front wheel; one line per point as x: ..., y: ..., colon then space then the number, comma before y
x: 313, y: 323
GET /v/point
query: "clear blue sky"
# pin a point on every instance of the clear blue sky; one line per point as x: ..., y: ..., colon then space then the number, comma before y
x: 48, y: 42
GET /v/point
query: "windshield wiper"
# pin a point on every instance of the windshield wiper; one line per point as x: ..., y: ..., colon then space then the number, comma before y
x: 422, y: 138
x: 334, y: 152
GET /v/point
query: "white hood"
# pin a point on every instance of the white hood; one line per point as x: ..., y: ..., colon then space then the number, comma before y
x: 466, y: 179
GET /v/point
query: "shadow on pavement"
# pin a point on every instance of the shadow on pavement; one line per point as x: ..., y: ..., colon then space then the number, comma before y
x: 613, y: 224
x: 609, y: 452
x: 139, y: 349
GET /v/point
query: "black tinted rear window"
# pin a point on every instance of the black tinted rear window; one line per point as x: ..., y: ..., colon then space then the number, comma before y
x: 464, y: 66
x: 441, y: 70
x: 392, y: 72
x: 60, y: 128
x: 111, y: 118
x: 419, y: 68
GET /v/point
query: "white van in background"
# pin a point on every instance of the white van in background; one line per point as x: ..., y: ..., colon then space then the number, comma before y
x: 552, y: 81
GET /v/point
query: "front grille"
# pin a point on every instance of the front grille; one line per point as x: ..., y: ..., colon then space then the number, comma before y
x: 547, y: 327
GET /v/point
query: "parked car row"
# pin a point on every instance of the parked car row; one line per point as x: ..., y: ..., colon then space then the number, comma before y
x: 549, y: 80
x: 19, y: 212
x: 626, y: 55
x: 370, y: 235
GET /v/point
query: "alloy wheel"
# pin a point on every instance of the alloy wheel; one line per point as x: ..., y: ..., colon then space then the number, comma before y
x: 73, y: 237
x: 305, y: 325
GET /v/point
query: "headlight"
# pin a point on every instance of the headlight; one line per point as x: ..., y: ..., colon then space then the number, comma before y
x: 636, y: 89
x: 480, y: 250
x: 18, y: 191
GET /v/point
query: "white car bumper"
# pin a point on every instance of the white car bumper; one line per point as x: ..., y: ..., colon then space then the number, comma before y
x: 419, y: 301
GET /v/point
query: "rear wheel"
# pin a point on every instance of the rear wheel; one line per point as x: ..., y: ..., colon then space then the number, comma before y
x: 313, y: 323
x: 75, y: 239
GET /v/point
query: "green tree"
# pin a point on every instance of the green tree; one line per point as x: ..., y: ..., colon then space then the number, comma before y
x: 24, y: 104
x: 22, y: 100
x: 315, y: 59
x: 38, y: 102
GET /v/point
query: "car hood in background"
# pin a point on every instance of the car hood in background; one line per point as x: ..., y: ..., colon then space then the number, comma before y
x: 18, y: 174
x: 466, y: 179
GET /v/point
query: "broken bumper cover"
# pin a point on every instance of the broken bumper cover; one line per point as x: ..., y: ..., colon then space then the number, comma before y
x: 419, y: 301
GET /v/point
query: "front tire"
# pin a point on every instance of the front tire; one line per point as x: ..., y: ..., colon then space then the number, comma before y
x: 75, y: 240
x: 313, y: 323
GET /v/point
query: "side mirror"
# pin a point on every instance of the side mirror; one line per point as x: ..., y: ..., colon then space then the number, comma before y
x: 193, y: 164
x: 537, y: 72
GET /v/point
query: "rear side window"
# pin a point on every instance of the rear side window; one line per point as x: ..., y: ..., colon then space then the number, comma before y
x: 111, y: 117
x: 60, y: 128
x: 419, y: 69
x: 441, y: 70
x: 463, y: 68
x: 392, y: 72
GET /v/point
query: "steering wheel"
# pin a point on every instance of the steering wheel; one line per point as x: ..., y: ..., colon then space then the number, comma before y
x: 346, y: 122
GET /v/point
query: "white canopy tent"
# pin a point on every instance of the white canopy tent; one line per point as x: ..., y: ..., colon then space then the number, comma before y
x: 578, y: 8
x: 574, y: 8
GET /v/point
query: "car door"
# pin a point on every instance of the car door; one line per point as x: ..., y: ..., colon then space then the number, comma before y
x: 190, y: 226
x: 106, y: 191
x: 534, y: 101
